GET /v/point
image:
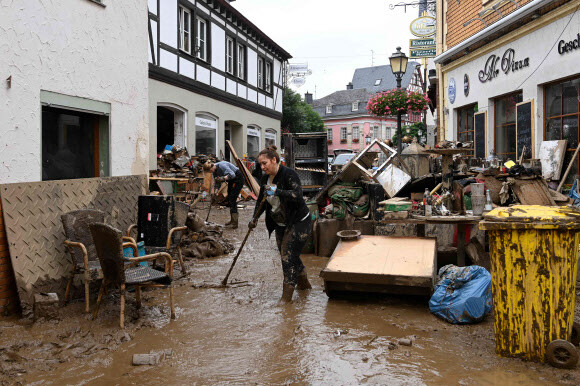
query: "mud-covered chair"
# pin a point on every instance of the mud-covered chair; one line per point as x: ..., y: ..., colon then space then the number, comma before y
x: 79, y: 243
x: 117, y: 273
x: 173, y: 240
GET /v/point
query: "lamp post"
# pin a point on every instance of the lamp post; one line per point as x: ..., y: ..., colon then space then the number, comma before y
x: 398, y: 63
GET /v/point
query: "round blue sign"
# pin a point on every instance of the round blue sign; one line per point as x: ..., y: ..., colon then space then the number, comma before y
x: 452, y: 90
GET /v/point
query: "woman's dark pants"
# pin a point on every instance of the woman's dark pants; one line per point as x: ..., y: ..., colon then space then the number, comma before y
x: 291, y: 241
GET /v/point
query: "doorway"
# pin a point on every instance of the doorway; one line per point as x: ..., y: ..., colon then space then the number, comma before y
x: 171, y: 124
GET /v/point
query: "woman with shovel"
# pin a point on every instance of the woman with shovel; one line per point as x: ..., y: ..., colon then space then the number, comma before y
x: 287, y: 215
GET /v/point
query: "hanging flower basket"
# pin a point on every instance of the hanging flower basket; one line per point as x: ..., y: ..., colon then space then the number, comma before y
x: 397, y: 100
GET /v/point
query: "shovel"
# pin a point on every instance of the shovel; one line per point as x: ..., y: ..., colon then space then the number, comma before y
x: 225, y: 281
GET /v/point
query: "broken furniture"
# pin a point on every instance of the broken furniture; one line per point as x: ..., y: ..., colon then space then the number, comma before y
x: 307, y: 153
x: 80, y: 245
x: 176, y: 186
x: 116, y: 273
x: 401, y: 265
x: 460, y: 221
x: 161, y: 224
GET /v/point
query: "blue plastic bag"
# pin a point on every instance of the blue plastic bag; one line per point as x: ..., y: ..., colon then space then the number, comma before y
x: 128, y: 252
x: 462, y: 295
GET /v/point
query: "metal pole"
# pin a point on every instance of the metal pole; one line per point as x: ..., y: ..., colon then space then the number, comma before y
x: 399, y: 135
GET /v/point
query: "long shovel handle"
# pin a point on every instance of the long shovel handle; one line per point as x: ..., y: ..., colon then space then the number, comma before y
x: 210, y: 199
x: 225, y: 281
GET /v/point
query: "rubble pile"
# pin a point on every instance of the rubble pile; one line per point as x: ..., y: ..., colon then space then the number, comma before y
x: 204, y: 240
x: 175, y: 161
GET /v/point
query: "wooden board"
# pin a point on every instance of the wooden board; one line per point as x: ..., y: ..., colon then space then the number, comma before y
x: 250, y: 180
x: 480, y: 133
x: 533, y: 192
x: 524, y: 128
x: 383, y: 260
x: 552, y: 157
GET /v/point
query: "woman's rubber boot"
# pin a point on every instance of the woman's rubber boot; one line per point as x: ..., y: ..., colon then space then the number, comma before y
x: 303, y: 283
x: 233, y: 224
x: 287, y: 292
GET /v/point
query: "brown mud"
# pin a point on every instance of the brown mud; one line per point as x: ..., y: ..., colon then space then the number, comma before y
x: 240, y: 334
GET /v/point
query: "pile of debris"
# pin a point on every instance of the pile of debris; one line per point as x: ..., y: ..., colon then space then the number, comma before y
x: 175, y: 161
x: 203, y: 240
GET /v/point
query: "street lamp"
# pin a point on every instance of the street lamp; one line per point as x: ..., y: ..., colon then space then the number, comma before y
x: 398, y: 63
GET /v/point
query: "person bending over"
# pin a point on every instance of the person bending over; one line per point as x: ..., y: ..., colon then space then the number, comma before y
x: 225, y: 171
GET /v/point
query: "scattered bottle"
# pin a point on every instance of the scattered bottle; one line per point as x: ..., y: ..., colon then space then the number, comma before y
x: 427, y: 202
x: 488, y: 205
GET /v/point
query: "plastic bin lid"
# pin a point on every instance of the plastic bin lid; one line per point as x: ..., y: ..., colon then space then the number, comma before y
x: 531, y: 216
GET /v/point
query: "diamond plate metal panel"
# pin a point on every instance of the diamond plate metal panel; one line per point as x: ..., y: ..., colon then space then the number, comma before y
x: 34, y: 229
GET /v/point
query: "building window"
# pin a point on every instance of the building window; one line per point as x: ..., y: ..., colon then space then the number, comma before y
x: 329, y: 109
x: 241, y: 61
x: 201, y: 39
x: 230, y: 55
x: 465, y: 130
x: 376, y: 132
x: 562, y: 115
x: 260, y: 73
x: 185, y: 29
x: 329, y: 134
x: 355, y: 134
x: 355, y: 106
x: 74, y: 144
x: 253, y: 141
x: 505, y: 125
x: 268, y: 77
x: 205, y: 134
x: 343, y: 134
x: 270, y: 136
x: 378, y: 82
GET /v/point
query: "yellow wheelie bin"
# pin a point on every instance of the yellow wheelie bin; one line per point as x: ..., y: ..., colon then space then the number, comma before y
x: 534, y: 257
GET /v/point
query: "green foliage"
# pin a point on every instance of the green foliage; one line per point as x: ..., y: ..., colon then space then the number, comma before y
x: 413, y: 133
x: 298, y: 116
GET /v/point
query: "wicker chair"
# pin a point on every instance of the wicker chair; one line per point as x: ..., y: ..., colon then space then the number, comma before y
x: 79, y: 243
x: 109, y: 247
x: 173, y: 237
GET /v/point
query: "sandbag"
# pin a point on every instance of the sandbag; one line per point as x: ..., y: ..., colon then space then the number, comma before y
x: 462, y: 295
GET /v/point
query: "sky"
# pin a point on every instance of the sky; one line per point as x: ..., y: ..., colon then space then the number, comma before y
x: 333, y: 36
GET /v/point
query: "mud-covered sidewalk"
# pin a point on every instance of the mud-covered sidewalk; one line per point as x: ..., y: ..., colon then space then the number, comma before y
x: 240, y: 335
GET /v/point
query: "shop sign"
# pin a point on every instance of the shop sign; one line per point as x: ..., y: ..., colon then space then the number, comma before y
x: 564, y: 46
x: 422, y: 43
x: 507, y: 63
x: 422, y: 53
x: 253, y: 132
x: 451, y: 90
x: 465, y: 85
x: 423, y: 26
x: 205, y: 123
x: 298, y: 67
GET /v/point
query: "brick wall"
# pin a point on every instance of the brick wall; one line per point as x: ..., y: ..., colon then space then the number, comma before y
x: 9, y: 302
x: 459, y: 13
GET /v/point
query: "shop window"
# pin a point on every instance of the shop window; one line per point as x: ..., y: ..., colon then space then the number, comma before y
x: 270, y: 136
x: 253, y: 141
x: 205, y: 134
x: 74, y: 144
x: 562, y: 117
x: 505, y: 125
x: 465, y: 124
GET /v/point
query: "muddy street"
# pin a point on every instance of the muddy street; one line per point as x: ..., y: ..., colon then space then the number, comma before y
x: 240, y: 334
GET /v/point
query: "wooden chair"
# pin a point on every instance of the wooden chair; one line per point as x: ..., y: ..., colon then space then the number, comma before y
x: 109, y: 248
x: 79, y: 243
x: 173, y: 241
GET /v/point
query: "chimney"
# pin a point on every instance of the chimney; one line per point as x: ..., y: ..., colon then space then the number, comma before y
x: 308, y: 98
x: 349, y: 86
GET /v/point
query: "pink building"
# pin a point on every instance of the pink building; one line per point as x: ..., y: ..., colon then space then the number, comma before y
x: 347, y: 122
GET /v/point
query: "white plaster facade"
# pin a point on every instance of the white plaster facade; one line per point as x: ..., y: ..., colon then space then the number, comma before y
x: 538, y: 42
x: 94, y: 54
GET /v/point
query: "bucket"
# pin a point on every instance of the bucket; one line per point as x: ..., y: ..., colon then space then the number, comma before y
x: 477, y: 189
x: 477, y: 203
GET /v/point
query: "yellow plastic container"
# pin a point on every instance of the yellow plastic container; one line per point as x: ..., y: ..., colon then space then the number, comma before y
x: 534, y: 256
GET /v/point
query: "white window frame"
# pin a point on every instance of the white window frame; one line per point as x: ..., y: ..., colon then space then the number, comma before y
x: 378, y: 82
x: 201, y: 44
x: 329, y: 109
x: 260, y: 72
x: 241, y: 64
x: 355, y: 106
x: 355, y: 132
x: 268, y: 76
x: 230, y: 44
x: 376, y: 132
x: 329, y: 133
x: 183, y: 14
x: 343, y: 133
